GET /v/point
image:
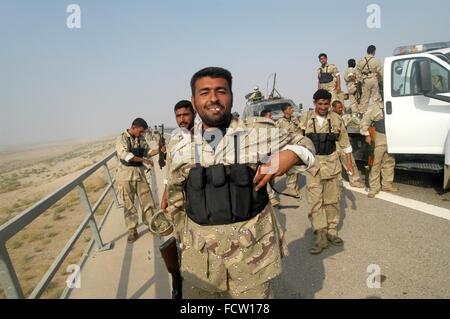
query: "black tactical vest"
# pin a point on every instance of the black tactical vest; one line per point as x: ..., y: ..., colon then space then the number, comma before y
x: 325, y: 77
x: 325, y: 143
x: 138, y: 151
x: 223, y: 194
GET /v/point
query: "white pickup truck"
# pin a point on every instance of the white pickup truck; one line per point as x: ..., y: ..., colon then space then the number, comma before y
x: 417, y: 108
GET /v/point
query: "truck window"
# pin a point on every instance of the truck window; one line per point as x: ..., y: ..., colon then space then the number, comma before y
x: 440, y: 78
x: 405, y: 77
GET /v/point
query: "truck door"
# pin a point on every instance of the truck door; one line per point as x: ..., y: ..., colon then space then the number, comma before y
x: 415, y: 124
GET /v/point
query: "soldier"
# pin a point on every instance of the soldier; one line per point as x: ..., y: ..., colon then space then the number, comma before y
x: 274, y: 200
x: 355, y: 178
x: 267, y: 114
x: 325, y: 129
x: 383, y: 162
x: 328, y: 77
x: 133, y: 152
x: 185, y: 117
x: 292, y: 125
x: 254, y: 96
x: 371, y: 72
x: 351, y: 80
x: 232, y: 245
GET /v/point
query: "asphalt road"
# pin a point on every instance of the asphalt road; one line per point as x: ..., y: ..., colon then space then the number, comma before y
x: 411, y: 249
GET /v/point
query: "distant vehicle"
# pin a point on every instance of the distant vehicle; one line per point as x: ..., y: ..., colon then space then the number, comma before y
x: 274, y: 103
x: 417, y: 109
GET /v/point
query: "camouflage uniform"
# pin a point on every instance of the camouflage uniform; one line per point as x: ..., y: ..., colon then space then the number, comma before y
x: 292, y: 125
x: 331, y: 86
x: 236, y: 260
x: 371, y: 72
x: 132, y: 181
x: 383, y: 162
x: 179, y: 139
x: 351, y: 87
x: 322, y: 180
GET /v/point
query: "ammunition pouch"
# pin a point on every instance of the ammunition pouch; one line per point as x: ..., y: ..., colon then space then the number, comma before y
x: 139, y: 152
x: 223, y: 194
x: 325, y: 78
x: 325, y: 143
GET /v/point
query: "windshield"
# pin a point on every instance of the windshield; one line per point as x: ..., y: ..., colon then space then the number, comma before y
x: 444, y: 57
x: 277, y: 106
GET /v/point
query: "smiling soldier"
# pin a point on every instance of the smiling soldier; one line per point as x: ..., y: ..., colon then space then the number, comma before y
x: 232, y: 244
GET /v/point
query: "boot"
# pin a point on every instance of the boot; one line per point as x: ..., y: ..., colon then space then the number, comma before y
x: 390, y: 189
x: 333, y: 238
x: 321, y: 242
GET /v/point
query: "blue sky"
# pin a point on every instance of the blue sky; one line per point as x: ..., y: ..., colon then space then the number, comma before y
x: 135, y: 58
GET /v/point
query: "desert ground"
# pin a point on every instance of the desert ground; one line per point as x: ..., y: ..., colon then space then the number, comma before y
x: 30, y: 173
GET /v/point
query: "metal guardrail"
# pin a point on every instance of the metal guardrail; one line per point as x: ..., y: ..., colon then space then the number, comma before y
x: 8, y: 277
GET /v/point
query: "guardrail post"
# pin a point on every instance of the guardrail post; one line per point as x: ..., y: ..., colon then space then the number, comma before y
x: 8, y: 277
x: 110, y: 181
x: 92, y: 222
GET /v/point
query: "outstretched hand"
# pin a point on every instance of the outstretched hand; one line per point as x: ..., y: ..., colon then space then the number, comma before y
x: 278, y: 165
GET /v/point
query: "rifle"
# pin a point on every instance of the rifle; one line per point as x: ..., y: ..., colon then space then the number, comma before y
x: 358, y: 94
x: 370, y: 151
x: 161, y: 144
x: 169, y: 253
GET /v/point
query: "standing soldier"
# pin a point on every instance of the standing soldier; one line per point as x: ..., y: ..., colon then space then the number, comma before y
x: 371, y: 72
x: 351, y: 80
x: 185, y: 117
x: 133, y: 152
x: 383, y: 162
x: 355, y: 178
x: 232, y: 243
x: 325, y: 129
x: 328, y: 77
x: 292, y: 125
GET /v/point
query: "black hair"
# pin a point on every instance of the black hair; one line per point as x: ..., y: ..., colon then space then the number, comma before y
x: 336, y: 102
x: 183, y: 104
x: 351, y: 63
x: 371, y: 49
x: 322, y: 94
x: 323, y: 54
x: 265, y: 112
x: 285, y: 107
x: 140, y: 123
x: 213, y: 72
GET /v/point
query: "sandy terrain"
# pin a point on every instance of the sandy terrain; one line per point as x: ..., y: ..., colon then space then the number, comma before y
x: 29, y: 173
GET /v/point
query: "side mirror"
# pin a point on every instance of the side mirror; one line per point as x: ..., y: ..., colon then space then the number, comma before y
x: 300, y: 106
x: 425, y: 82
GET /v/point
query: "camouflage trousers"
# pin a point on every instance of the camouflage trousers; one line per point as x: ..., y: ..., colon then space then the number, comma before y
x: 354, y: 106
x: 263, y: 291
x: 370, y: 90
x: 323, y: 197
x: 274, y: 201
x: 232, y: 261
x: 291, y: 183
x: 383, y: 167
x: 127, y: 191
